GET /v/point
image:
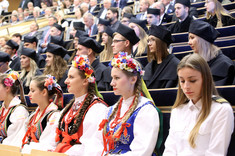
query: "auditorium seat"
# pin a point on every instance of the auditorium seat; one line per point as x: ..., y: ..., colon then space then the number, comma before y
x: 198, y: 4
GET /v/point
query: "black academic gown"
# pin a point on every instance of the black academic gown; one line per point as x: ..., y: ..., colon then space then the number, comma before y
x: 222, y: 69
x: 26, y: 88
x: 143, y: 54
x: 40, y: 61
x: 226, y: 20
x: 15, y: 64
x: 101, y: 75
x: 164, y: 76
x: 61, y: 82
x: 179, y: 27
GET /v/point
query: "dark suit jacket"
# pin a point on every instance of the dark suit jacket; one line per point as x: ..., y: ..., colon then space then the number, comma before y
x: 94, y: 31
x: 25, y: 4
x: 97, y: 8
x: 122, y: 3
x: 15, y: 64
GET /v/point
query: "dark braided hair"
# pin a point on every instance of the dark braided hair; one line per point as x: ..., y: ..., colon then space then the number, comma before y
x: 78, y: 119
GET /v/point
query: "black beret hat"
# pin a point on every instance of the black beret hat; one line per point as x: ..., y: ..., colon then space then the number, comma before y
x: 127, y: 15
x: 162, y: 33
x: 30, y: 39
x: 141, y: 23
x: 104, y: 22
x: 91, y: 43
x: 128, y: 33
x: 203, y: 30
x: 80, y: 33
x: 59, y: 27
x: 4, y: 57
x: 57, y: 40
x: 79, y: 25
x: 184, y: 2
x: 109, y: 31
x: 56, y: 50
x: 153, y: 11
x: 12, y: 44
x: 30, y: 53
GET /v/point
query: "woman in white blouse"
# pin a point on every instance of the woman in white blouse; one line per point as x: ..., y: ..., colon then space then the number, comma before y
x: 13, y: 112
x: 131, y: 126
x: 80, y: 119
x: 201, y: 122
x: 41, y: 124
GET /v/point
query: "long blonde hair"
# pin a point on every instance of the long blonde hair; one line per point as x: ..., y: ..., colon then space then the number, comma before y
x: 57, y: 68
x: 219, y: 10
x: 196, y: 62
x: 107, y: 53
x: 30, y: 74
x: 143, y: 41
x: 206, y: 49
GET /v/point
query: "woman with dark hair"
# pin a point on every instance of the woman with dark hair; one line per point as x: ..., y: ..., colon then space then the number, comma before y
x: 41, y: 123
x: 13, y: 111
x: 102, y: 24
x: 201, y: 39
x: 29, y: 67
x: 125, y: 130
x: 201, y: 122
x: 217, y: 15
x: 160, y: 72
x: 80, y: 118
x: 56, y: 65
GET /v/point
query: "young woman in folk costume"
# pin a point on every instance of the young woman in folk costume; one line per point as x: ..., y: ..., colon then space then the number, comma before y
x: 41, y: 125
x: 132, y: 125
x: 13, y: 112
x: 80, y: 119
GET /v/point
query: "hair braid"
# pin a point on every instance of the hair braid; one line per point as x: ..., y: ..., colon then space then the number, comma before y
x: 78, y: 119
x: 66, y: 109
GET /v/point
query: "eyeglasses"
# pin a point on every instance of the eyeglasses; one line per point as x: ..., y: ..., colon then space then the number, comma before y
x: 116, y: 41
x: 151, y: 40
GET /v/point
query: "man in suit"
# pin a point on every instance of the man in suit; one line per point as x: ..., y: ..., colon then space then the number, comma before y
x: 164, y: 18
x: 144, y: 5
x: 34, y: 30
x: 169, y: 6
x: 103, y: 12
x: 11, y: 48
x: 91, y: 27
x: 23, y: 4
x: 119, y: 3
x: 93, y: 7
x: 45, y: 38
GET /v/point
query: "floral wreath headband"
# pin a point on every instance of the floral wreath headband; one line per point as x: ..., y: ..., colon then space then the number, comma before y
x: 125, y: 62
x: 82, y: 63
x: 50, y: 82
x: 11, y: 78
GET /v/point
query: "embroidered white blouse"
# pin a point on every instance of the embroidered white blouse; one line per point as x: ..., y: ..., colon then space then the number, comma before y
x: 15, y: 131
x: 47, y: 134
x: 214, y: 134
x: 90, y: 127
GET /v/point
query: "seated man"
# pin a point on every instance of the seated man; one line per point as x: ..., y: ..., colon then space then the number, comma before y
x: 11, y: 48
x: 182, y: 13
x: 153, y: 16
x: 90, y: 47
